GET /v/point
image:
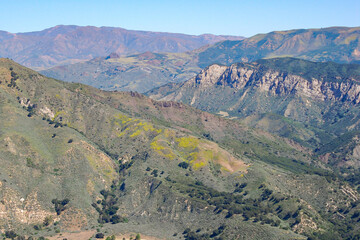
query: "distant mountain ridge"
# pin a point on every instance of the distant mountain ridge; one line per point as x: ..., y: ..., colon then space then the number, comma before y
x: 337, y: 44
x: 139, y: 72
x: 68, y: 44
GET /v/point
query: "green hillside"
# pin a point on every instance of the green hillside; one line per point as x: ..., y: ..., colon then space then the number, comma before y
x: 75, y: 158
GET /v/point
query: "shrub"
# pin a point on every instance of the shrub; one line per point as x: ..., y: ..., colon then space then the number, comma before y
x: 184, y: 165
x: 10, y: 234
x: 99, y: 235
x: 60, y: 205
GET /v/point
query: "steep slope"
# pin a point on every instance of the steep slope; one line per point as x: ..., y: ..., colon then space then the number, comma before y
x: 338, y: 44
x: 159, y: 168
x: 314, y: 104
x: 322, y: 95
x: 141, y: 72
x: 68, y: 44
x: 145, y: 71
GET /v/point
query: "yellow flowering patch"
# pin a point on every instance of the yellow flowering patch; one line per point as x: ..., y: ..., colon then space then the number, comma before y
x: 189, y: 143
x: 165, y: 151
x: 134, y: 127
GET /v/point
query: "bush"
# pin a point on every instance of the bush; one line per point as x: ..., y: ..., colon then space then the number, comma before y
x: 99, y: 235
x: 154, y: 172
x: 60, y: 205
x: 184, y: 165
x: 10, y: 234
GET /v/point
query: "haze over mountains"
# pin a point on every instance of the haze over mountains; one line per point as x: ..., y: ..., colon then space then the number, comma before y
x: 144, y: 72
x: 68, y: 44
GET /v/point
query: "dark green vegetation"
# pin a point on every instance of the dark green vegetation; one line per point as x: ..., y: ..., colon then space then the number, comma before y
x: 145, y: 71
x: 60, y: 205
x: 133, y: 161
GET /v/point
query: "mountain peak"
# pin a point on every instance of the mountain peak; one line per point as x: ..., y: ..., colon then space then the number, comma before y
x: 70, y: 43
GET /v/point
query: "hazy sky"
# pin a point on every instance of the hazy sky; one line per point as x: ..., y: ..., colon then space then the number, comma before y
x: 231, y: 17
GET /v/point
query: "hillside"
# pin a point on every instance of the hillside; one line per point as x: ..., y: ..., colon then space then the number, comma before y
x: 311, y: 103
x: 89, y: 158
x: 338, y: 44
x: 140, y: 72
x: 145, y: 71
x: 69, y: 44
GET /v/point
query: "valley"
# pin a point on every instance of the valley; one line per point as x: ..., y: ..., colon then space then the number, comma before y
x: 150, y: 135
x: 156, y: 162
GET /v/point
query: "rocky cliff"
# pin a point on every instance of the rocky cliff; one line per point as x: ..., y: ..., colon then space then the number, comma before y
x: 324, y: 95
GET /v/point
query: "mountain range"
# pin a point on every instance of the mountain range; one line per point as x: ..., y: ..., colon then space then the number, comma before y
x: 234, y: 140
x: 69, y: 43
x: 143, y: 72
x: 75, y: 158
x: 338, y: 44
x: 315, y: 104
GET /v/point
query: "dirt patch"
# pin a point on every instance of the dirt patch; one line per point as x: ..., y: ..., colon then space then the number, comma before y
x: 223, y: 114
x: 224, y: 158
x: 74, y: 235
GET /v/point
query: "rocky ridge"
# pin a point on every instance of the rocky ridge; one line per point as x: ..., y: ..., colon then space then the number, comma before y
x: 242, y: 78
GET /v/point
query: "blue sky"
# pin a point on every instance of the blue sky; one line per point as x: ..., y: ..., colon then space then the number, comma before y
x: 230, y: 17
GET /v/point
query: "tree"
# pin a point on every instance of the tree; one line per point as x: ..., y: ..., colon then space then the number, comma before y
x: 99, y: 235
x: 184, y: 165
x: 10, y: 234
x: 122, y: 187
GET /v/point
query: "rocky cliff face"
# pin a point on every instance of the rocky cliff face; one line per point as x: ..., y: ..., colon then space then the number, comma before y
x: 245, y: 89
x: 241, y: 76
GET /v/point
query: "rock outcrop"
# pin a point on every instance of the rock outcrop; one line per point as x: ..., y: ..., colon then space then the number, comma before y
x: 289, y: 87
